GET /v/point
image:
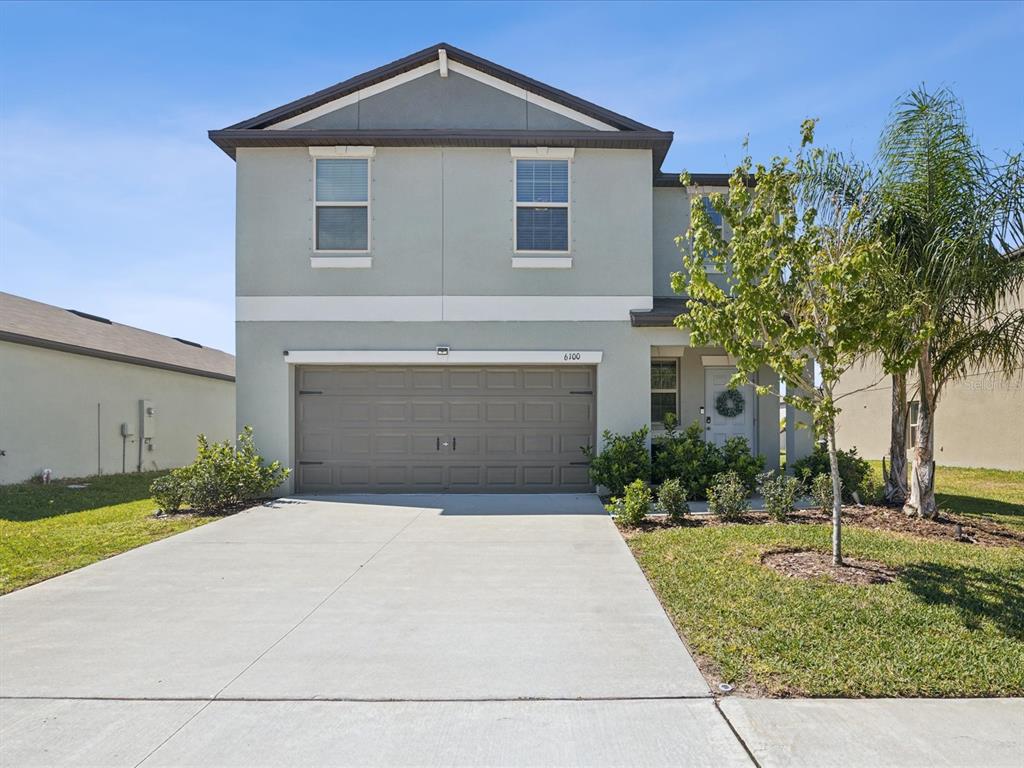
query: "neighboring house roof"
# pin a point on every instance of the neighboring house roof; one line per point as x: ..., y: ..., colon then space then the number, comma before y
x: 622, y: 132
x: 23, y: 321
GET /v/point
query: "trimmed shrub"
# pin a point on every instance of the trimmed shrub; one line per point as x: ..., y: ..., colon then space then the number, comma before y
x: 695, y: 462
x: 672, y: 500
x: 727, y: 496
x: 854, y: 471
x: 780, y: 493
x: 623, y: 459
x: 220, y: 476
x: 821, y: 491
x: 168, y: 494
x: 632, y: 509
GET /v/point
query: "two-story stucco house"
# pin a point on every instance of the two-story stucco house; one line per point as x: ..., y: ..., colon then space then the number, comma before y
x: 450, y: 277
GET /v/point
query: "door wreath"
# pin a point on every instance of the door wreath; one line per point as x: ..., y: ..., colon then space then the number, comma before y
x: 730, y: 403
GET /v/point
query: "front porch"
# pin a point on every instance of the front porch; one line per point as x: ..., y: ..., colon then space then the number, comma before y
x: 691, y: 385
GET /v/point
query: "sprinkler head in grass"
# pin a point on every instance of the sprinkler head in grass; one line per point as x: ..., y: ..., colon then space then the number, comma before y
x: 725, y: 687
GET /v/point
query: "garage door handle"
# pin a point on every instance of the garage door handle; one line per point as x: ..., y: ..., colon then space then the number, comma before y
x: 310, y: 392
x: 579, y: 463
x: 453, y: 443
x: 581, y: 392
x: 310, y: 462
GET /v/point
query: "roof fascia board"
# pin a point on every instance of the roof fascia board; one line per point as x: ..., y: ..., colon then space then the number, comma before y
x: 363, y: 93
x: 73, y: 349
x: 435, y: 66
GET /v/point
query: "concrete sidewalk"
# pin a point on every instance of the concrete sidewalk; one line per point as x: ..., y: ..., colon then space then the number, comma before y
x: 879, y: 733
x: 429, y: 630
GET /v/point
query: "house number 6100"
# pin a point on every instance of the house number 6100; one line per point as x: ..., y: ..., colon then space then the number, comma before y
x: 572, y: 356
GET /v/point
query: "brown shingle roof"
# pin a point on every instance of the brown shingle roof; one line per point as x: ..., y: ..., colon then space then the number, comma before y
x: 24, y: 321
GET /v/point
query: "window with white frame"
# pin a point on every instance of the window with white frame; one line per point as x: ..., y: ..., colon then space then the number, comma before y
x: 719, y: 224
x: 343, y: 204
x: 913, y: 413
x: 542, y: 206
x: 664, y: 391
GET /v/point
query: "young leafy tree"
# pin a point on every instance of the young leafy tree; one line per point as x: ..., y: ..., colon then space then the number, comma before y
x: 797, y: 288
x: 954, y: 225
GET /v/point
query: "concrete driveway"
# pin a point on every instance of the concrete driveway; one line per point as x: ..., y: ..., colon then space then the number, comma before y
x: 403, y: 630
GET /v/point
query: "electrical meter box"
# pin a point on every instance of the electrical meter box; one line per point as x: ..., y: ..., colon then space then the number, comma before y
x: 147, y: 420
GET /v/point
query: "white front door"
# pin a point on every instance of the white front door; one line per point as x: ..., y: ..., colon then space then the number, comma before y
x: 719, y: 428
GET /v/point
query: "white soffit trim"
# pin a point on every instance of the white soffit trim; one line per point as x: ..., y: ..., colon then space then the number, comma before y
x: 717, y: 360
x: 542, y: 308
x: 328, y: 152
x: 542, y: 262
x: 544, y: 153
x: 530, y: 98
x: 352, y: 98
x: 437, y: 308
x: 454, y: 357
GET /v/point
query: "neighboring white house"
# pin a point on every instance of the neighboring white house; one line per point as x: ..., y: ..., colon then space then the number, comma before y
x: 452, y: 277
x: 81, y: 395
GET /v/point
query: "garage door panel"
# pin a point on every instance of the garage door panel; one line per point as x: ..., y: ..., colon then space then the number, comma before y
x: 501, y: 411
x: 428, y: 412
x: 469, y: 411
x: 386, y: 428
x: 576, y: 378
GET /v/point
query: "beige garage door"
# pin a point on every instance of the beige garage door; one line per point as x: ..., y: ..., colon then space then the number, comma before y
x: 468, y: 429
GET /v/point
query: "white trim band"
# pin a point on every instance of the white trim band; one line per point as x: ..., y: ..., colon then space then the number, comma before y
x: 341, y: 262
x: 542, y: 262
x: 428, y: 309
x: 454, y: 357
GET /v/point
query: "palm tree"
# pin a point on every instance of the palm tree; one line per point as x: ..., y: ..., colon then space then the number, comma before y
x: 955, y: 229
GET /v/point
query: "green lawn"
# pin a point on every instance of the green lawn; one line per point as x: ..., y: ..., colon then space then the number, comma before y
x: 951, y: 624
x: 990, y: 493
x: 46, y: 530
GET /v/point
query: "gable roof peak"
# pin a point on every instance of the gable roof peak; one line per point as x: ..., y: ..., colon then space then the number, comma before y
x: 412, y: 61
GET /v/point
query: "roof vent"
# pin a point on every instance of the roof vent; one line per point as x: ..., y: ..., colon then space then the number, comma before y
x: 186, y: 341
x: 87, y: 316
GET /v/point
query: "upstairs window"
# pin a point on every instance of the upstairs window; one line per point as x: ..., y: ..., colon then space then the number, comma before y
x: 719, y: 224
x: 343, y: 205
x: 542, y: 206
x: 664, y: 391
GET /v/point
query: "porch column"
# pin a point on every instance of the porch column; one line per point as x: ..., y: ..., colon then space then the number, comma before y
x: 799, y: 432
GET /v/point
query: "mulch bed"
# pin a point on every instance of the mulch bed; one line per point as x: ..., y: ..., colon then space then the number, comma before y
x: 810, y: 564
x: 946, y: 527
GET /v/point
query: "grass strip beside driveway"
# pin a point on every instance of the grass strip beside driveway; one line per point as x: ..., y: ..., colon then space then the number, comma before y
x: 952, y: 624
x: 47, y: 530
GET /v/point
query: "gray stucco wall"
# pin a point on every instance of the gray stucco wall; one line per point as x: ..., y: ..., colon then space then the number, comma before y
x: 442, y: 222
x: 978, y: 423
x: 456, y: 101
x: 671, y: 219
x: 266, y: 380
x: 48, y: 417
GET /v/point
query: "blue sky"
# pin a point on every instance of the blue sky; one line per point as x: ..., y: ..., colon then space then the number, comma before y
x: 112, y: 200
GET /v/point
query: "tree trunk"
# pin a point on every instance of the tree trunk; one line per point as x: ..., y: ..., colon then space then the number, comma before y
x: 922, y: 473
x: 896, y: 478
x: 837, y: 498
